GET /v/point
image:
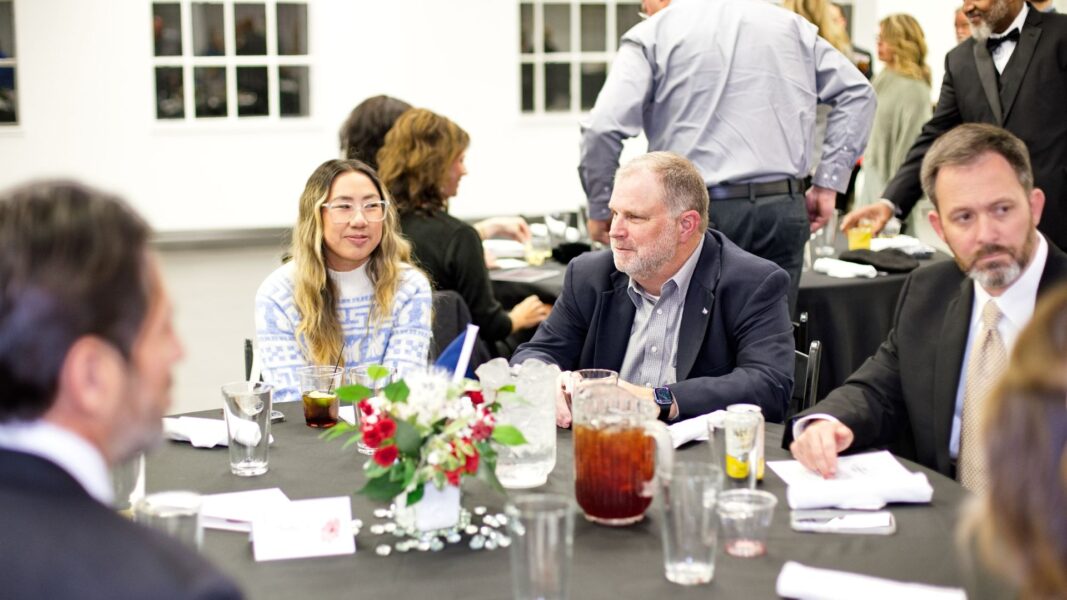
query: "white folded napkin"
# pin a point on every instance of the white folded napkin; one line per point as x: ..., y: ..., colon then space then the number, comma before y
x: 505, y: 248
x: 843, y: 269
x: 808, y: 583
x: 208, y: 433
x: 860, y: 494
x: 904, y: 243
x: 695, y: 429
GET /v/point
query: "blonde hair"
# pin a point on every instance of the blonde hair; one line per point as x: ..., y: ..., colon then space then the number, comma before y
x: 414, y: 162
x: 1019, y: 523
x: 319, y: 332
x: 817, y: 12
x: 905, y: 38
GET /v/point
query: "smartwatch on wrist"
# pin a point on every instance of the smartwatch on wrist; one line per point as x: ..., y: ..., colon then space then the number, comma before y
x: 664, y: 399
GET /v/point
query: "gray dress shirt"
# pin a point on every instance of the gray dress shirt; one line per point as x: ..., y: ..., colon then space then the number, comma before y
x: 731, y: 85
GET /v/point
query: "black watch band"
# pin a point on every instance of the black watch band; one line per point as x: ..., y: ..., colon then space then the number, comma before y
x: 664, y: 399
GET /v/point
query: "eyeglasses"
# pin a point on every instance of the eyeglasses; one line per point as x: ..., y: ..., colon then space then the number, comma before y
x: 342, y: 211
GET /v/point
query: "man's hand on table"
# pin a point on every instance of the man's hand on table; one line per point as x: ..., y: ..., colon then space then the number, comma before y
x: 647, y: 393
x: 819, y: 444
x: 878, y: 214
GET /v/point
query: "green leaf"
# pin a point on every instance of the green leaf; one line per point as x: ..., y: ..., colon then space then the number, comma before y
x: 506, y: 388
x: 508, y: 435
x: 377, y: 372
x: 373, y: 469
x: 382, y: 489
x: 416, y: 494
x: 397, y: 391
x: 408, y: 440
x: 487, y: 473
x: 352, y: 440
x: 352, y: 394
x: 409, y: 472
x: 337, y: 431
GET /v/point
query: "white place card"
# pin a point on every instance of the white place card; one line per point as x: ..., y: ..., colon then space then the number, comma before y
x: 235, y: 511
x: 303, y: 529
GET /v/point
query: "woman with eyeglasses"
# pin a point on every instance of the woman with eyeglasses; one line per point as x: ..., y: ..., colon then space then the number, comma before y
x: 422, y: 163
x: 350, y: 293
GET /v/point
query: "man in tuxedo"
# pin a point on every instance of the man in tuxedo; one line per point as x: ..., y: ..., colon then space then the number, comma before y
x: 688, y: 319
x: 955, y: 324
x: 86, y: 352
x: 1012, y: 72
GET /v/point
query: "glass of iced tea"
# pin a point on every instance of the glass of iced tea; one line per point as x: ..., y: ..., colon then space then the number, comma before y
x: 619, y: 448
x: 318, y: 388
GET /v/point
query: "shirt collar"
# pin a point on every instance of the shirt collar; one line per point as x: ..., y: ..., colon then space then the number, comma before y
x: 1017, y: 302
x: 681, y: 278
x: 69, y: 451
x: 1016, y: 24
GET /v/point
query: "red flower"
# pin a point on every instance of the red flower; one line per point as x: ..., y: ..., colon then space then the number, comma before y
x: 372, y: 437
x: 386, y: 456
x: 476, y: 397
x: 365, y: 408
x: 453, y: 476
x: 472, y: 464
x: 387, y: 428
x: 481, y: 431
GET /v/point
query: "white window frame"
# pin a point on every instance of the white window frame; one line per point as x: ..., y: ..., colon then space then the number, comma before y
x: 231, y: 61
x: 575, y: 57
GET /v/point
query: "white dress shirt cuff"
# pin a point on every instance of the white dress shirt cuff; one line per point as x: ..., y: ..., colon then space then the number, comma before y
x: 802, y: 423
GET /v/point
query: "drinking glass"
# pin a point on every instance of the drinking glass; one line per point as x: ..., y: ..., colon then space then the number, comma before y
x: 127, y: 483
x: 859, y: 237
x: 690, y: 526
x: 745, y: 517
x: 247, y: 413
x: 376, y: 382
x: 542, y: 531
x: 825, y: 237
x: 176, y: 513
x: 318, y: 387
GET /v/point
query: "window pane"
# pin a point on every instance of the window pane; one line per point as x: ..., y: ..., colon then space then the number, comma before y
x: 626, y: 16
x: 526, y: 27
x: 293, y: 86
x: 526, y: 73
x: 167, y: 29
x: 250, y: 29
x: 593, y: 76
x: 170, y: 93
x: 207, y: 30
x: 7, y: 30
x: 209, y: 88
x: 292, y: 29
x: 252, y: 91
x: 594, y: 28
x: 8, y: 99
x: 557, y: 86
x: 557, y: 28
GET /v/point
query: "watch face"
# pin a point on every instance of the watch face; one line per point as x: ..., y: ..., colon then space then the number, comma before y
x: 664, y: 396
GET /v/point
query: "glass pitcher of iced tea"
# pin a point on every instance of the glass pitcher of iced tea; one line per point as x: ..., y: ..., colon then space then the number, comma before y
x: 619, y: 448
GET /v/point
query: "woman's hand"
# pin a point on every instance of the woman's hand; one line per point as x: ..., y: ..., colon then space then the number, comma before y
x: 514, y: 228
x: 528, y: 313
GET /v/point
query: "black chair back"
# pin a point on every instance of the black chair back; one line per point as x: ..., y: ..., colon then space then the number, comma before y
x: 450, y: 318
x: 805, y: 379
x: 800, y: 332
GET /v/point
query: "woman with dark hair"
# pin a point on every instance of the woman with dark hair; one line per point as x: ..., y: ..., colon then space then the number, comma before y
x: 422, y: 163
x: 1019, y: 523
x: 363, y: 132
x: 350, y: 291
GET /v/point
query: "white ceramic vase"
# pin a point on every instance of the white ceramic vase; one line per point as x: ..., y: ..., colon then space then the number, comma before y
x: 438, y: 509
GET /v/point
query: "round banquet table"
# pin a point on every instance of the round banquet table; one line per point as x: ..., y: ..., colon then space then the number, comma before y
x: 608, y: 563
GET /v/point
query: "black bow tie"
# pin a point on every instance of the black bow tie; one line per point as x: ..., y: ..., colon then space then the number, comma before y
x: 994, y: 43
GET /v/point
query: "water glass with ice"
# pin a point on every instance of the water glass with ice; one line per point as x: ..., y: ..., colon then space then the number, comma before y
x: 375, y: 378
x: 745, y: 517
x: 247, y: 414
x: 541, y: 527
x: 175, y: 513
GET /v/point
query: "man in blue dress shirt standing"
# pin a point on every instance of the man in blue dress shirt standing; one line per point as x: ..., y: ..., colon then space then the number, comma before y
x: 732, y: 85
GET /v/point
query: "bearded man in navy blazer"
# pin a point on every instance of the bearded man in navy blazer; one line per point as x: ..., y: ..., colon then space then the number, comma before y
x: 86, y: 351
x: 690, y: 321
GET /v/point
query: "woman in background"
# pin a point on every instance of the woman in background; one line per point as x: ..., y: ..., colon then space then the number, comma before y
x: 1019, y: 523
x: 421, y: 164
x: 903, y: 90
x: 350, y: 290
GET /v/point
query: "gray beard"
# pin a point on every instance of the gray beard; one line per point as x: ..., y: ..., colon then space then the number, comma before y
x: 996, y: 278
x: 998, y: 11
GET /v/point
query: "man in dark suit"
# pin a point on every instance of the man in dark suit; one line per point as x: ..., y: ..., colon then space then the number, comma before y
x: 86, y: 351
x: 1012, y: 72
x: 919, y: 392
x: 688, y: 319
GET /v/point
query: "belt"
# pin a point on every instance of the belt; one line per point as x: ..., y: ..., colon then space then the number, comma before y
x: 737, y: 191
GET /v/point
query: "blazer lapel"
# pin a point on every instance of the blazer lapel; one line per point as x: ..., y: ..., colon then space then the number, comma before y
x: 1014, y: 72
x: 951, y: 346
x: 699, y: 300
x: 987, y: 73
x: 613, y: 328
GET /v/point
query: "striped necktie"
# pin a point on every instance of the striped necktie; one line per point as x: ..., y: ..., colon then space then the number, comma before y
x: 987, y: 363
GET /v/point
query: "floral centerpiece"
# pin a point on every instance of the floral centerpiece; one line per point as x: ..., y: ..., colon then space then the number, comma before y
x: 424, y: 429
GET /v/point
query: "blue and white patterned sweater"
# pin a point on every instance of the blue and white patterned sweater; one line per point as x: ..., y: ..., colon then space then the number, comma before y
x: 402, y: 341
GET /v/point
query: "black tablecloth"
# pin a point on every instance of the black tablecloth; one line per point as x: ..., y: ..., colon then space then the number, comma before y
x: 610, y: 563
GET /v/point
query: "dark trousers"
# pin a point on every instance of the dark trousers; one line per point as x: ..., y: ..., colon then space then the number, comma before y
x: 773, y: 227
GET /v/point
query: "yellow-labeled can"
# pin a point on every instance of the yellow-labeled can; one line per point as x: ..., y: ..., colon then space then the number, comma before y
x: 737, y: 462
